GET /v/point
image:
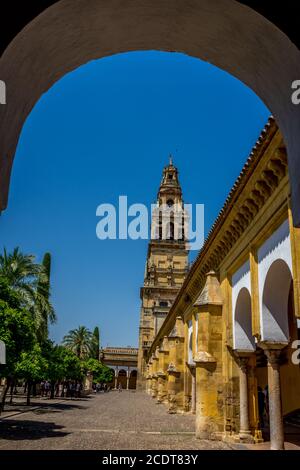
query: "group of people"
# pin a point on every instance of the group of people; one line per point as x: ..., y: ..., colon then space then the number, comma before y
x: 100, y: 387
x: 263, y: 405
x: 68, y: 388
x: 45, y: 388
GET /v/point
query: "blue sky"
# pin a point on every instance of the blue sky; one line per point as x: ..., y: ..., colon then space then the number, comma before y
x: 106, y: 130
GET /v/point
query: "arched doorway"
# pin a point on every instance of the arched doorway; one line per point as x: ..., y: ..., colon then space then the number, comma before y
x: 280, y: 324
x: 122, y: 379
x: 280, y: 377
x: 132, y: 380
x: 197, y: 28
x: 245, y: 348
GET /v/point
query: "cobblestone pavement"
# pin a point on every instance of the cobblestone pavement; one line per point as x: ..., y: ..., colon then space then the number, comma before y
x: 126, y: 420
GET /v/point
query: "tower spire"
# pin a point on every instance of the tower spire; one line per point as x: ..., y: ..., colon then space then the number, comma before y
x: 170, y: 160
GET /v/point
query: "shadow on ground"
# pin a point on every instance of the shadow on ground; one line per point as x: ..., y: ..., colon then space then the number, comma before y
x: 11, y: 429
x: 56, y: 408
x: 46, y: 406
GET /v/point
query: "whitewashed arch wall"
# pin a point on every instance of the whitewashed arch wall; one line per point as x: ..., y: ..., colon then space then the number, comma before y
x: 241, y: 280
x: 276, y: 247
x: 190, y: 340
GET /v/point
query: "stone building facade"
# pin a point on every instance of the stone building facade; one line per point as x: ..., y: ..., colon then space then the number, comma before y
x: 166, y: 264
x: 123, y: 362
x: 232, y: 328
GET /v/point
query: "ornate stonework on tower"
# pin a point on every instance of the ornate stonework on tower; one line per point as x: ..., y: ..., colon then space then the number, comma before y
x: 167, y: 261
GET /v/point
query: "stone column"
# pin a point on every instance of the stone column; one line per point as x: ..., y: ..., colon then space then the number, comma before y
x: 253, y: 401
x: 161, y: 391
x: 154, y: 376
x: 149, y: 377
x: 275, y: 407
x: 88, y: 385
x: 206, y: 404
x: 209, y: 361
x: 176, y: 368
x: 116, y: 377
x: 163, y: 353
x: 245, y: 433
x: 127, y: 378
x: 173, y: 375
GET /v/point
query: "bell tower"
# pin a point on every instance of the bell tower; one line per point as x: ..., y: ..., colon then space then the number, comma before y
x: 167, y: 261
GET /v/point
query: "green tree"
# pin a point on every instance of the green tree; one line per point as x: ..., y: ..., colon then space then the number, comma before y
x: 72, y: 365
x: 100, y: 372
x: 28, y: 280
x: 7, y: 294
x: 32, y: 366
x: 18, y: 333
x: 90, y: 365
x: 95, y: 347
x: 43, y: 298
x: 62, y: 364
x: 79, y: 341
x: 105, y: 375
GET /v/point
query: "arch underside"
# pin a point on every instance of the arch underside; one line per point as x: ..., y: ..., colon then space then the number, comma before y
x: 222, y: 32
x: 244, y: 341
x: 275, y: 299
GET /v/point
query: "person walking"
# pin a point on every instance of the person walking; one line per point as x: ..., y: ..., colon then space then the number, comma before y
x: 120, y: 387
x: 42, y: 388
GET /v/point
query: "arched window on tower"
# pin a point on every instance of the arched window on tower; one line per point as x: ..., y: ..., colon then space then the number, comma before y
x: 160, y: 226
x: 182, y: 229
x: 170, y: 230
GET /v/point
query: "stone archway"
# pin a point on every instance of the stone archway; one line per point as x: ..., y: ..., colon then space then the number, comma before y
x: 275, y: 298
x: 243, y: 339
x: 122, y: 379
x: 225, y: 33
x: 277, y: 315
x: 132, y: 380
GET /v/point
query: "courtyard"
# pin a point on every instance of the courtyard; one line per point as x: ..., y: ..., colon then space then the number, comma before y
x: 105, y: 421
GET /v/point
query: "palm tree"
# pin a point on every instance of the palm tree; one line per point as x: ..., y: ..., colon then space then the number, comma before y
x: 42, y: 298
x: 30, y: 281
x: 79, y: 341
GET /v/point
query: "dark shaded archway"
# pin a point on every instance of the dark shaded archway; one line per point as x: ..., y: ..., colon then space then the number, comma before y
x: 222, y: 32
x: 132, y: 380
x: 122, y: 379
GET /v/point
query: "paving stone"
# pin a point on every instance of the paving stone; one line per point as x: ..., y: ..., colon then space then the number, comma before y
x: 108, y: 421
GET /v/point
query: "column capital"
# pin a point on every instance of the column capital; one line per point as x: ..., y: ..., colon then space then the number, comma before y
x: 242, y: 358
x: 273, y: 352
x: 273, y: 356
x: 243, y: 363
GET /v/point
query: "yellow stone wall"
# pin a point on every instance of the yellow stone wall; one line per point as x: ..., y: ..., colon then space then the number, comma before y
x: 256, y: 207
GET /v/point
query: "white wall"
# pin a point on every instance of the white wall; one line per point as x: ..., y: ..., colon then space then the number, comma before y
x: 241, y: 280
x: 273, y: 301
x: 190, y: 346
